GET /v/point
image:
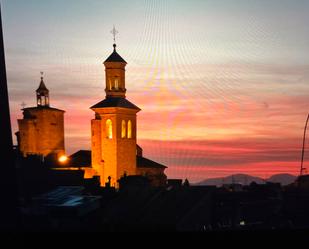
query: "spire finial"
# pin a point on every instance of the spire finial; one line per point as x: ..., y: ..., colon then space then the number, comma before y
x: 114, y: 32
x: 42, y: 75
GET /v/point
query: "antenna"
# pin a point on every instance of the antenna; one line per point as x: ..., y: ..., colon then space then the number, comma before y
x: 303, y: 149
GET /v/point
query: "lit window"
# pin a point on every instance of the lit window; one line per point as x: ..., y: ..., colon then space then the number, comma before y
x: 123, y: 129
x: 109, y: 129
x: 39, y: 99
x: 129, y: 129
x: 116, y: 84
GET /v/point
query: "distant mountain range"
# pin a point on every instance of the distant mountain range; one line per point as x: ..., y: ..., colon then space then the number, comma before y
x: 244, y: 179
x: 284, y: 179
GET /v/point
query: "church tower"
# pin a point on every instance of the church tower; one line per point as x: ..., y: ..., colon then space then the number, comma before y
x: 113, y: 140
x: 41, y: 131
x: 42, y: 94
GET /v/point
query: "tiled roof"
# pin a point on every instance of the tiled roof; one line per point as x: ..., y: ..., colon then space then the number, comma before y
x: 41, y: 107
x: 115, y: 102
x: 81, y: 158
x: 42, y: 87
x: 115, y: 57
x: 142, y: 162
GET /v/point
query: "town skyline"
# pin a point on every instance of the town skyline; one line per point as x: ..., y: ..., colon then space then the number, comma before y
x: 213, y: 103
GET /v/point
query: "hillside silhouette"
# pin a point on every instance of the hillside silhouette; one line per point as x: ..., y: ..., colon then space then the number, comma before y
x: 244, y: 179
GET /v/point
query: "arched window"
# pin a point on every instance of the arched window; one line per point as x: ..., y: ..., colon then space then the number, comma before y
x: 123, y: 129
x: 109, y: 129
x: 116, y: 83
x: 43, y: 99
x: 109, y: 84
x: 129, y: 129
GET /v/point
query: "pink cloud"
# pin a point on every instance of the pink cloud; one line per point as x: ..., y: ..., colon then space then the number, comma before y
x: 206, y: 159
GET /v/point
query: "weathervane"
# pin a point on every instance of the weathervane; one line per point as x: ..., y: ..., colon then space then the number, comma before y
x: 114, y: 33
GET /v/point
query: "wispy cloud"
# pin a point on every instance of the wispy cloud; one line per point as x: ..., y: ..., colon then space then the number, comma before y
x: 223, y: 87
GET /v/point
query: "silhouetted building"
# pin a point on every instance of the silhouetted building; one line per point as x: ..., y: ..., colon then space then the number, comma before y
x: 61, y: 209
x: 302, y: 182
x: 135, y: 181
x: 174, y: 183
x: 152, y: 170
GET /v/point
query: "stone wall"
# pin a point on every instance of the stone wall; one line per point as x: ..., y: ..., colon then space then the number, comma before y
x: 42, y: 131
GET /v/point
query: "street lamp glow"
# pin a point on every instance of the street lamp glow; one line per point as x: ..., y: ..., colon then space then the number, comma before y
x: 63, y: 159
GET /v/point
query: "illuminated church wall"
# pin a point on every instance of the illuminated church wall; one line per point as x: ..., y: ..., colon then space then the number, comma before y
x: 41, y: 131
x: 112, y: 154
x: 114, y: 127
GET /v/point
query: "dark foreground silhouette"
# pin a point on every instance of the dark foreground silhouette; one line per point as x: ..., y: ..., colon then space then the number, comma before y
x: 63, y: 201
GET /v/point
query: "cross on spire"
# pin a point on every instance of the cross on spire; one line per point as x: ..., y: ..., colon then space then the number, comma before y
x: 114, y: 32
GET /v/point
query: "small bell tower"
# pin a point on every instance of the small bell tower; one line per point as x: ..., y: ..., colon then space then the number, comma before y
x: 41, y: 130
x: 115, y: 73
x: 42, y: 94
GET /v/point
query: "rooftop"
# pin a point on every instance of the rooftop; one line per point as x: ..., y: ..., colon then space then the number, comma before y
x: 42, y: 87
x: 82, y: 158
x: 115, y: 57
x: 115, y: 102
x: 143, y: 162
x: 42, y: 108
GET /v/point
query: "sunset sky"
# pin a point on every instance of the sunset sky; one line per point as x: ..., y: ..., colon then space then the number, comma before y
x: 223, y: 85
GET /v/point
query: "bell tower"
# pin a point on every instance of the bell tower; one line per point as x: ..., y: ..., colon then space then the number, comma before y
x: 113, y: 138
x: 41, y: 130
x: 115, y: 75
x: 42, y: 94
